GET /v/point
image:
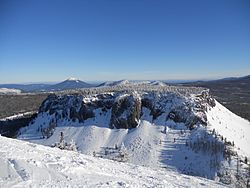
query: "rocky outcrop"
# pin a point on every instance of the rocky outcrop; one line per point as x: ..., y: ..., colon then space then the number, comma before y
x: 124, y: 109
x: 126, y: 112
x: 74, y: 107
x: 155, y: 112
x: 193, y: 113
x: 10, y: 127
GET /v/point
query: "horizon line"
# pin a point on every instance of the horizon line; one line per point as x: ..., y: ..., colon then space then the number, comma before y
x: 96, y: 81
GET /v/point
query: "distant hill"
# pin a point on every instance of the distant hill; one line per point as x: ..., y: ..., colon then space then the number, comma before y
x: 245, y: 80
x: 71, y: 83
x: 115, y: 83
x: 157, y: 83
x: 26, y: 87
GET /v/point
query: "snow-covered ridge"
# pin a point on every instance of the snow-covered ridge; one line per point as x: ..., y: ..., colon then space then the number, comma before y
x: 127, y: 82
x: 16, y: 116
x: 161, y: 127
x: 116, y: 83
x: 232, y: 127
x: 159, y: 83
x: 120, y: 110
x: 29, y: 165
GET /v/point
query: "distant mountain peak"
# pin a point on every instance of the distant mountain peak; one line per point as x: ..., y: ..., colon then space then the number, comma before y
x: 72, y: 79
x: 70, y: 83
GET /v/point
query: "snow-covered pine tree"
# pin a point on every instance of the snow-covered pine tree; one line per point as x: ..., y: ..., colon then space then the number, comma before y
x: 72, y: 145
x: 123, y: 153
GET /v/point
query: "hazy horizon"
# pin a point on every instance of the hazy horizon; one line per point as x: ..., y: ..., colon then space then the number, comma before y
x: 101, y: 81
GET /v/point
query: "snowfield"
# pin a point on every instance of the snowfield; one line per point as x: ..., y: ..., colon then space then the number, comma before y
x: 26, y: 164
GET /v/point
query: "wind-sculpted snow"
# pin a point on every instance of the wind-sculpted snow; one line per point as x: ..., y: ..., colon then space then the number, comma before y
x: 25, y: 164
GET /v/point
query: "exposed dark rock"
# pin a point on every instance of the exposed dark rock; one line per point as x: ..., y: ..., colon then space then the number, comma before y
x: 126, y: 107
x: 126, y: 112
x: 148, y: 103
x: 10, y: 128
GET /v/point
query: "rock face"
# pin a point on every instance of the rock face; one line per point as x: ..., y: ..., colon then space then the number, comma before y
x: 125, y: 109
x: 74, y: 107
x: 121, y: 109
x: 126, y: 112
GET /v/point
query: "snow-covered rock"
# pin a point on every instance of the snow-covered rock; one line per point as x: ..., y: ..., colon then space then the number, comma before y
x: 126, y: 111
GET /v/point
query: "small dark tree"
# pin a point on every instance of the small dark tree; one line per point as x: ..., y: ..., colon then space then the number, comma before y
x: 213, y: 131
x: 237, y: 165
x: 61, y: 142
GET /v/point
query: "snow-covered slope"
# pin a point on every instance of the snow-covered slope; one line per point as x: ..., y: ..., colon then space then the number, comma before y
x: 230, y: 126
x: 9, y: 91
x: 29, y: 165
x: 146, y: 145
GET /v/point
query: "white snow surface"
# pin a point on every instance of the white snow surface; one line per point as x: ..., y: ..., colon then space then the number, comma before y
x: 26, y: 164
x: 72, y: 79
x: 147, y: 145
x: 9, y: 91
x: 230, y: 126
x: 20, y: 115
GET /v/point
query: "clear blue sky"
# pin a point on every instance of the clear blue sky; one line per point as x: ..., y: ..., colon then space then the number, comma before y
x: 50, y: 40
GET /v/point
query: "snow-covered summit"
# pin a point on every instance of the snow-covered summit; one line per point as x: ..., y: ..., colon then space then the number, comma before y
x: 72, y: 79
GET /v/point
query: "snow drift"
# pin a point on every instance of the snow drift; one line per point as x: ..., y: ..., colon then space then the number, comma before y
x: 29, y: 165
